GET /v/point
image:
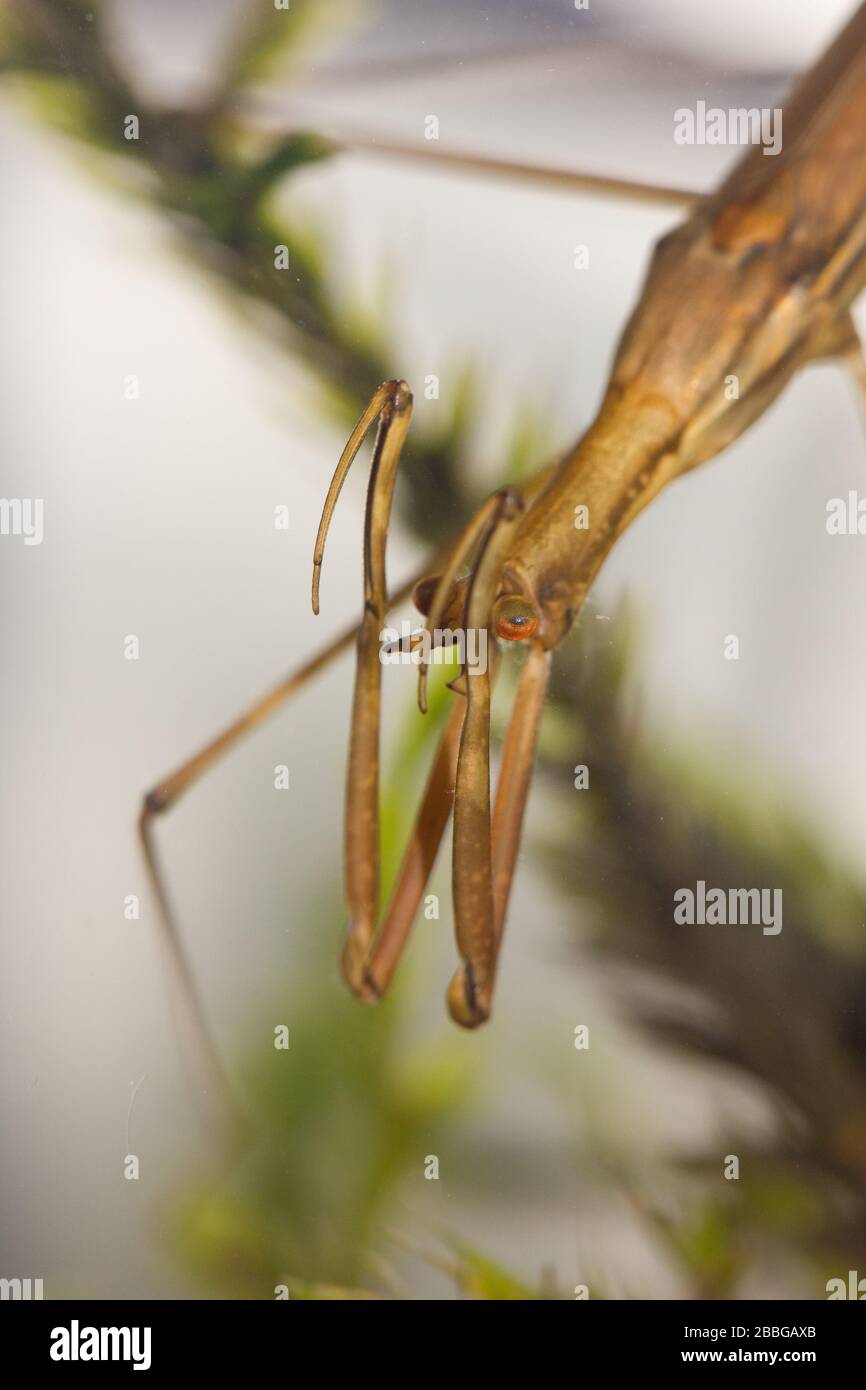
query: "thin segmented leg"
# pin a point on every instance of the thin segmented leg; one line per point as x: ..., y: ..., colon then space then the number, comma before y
x: 461, y: 769
x: 418, y: 860
x: 480, y: 949
x: 515, y: 774
x: 197, y: 1048
x: 370, y: 976
x: 378, y: 968
x: 485, y: 846
x: 371, y: 953
x: 544, y: 176
x: 392, y: 406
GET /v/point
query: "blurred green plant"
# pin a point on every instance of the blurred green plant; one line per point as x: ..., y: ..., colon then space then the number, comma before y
x: 217, y: 184
x: 337, y: 1124
x: 786, y: 1016
x: 313, y: 1198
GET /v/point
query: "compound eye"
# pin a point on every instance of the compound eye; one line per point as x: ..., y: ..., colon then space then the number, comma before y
x: 514, y: 618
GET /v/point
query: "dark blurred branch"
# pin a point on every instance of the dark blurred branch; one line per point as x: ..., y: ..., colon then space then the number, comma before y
x: 220, y: 206
x: 783, y: 1010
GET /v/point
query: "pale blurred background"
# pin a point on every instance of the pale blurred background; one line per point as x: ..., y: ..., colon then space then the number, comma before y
x: 159, y: 523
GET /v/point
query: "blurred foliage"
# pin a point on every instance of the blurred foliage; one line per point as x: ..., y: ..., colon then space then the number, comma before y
x: 784, y: 1012
x: 311, y: 1202
x: 338, y: 1122
x: 216, y: 184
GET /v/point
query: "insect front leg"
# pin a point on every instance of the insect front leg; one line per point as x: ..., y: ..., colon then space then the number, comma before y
x: 370, y: 956
x: 417, y: 865
x: 485, y: 844
x: 478, y: 910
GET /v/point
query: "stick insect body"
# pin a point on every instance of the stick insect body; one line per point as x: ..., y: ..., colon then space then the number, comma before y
x: 754, y: 284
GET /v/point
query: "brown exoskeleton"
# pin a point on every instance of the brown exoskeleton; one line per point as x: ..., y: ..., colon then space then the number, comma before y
x: 756, y: 282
